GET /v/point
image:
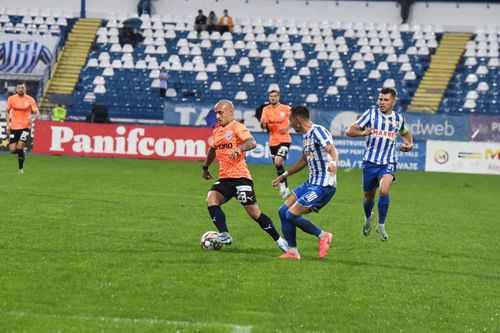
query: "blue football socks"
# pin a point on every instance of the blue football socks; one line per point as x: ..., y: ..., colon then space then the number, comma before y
x: 368, y: 206
x: 303, y: 223
x: 383, y: 207
x: 289, y: 230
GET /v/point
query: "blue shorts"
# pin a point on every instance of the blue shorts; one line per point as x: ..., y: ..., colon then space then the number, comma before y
x: 314, y: 196
x: 372, y: 173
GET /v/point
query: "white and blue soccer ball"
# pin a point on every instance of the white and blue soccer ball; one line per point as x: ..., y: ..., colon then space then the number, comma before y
x: 206, y: 243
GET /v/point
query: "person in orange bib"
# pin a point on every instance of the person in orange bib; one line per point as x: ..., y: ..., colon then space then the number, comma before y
x: 18, y: 122
x: 275, y: 119
x: 229, y: 143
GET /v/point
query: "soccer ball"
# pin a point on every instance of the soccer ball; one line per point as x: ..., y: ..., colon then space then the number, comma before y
x: 205, y: 242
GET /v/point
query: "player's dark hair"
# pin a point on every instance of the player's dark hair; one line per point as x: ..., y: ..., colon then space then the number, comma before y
x: 18, y: 83
x: 386, y: 91
x: 273, y: 91
x: 300, y: 111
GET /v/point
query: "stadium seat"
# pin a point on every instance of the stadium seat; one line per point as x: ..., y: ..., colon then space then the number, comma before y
x: 92, y: 62
x: 482, y: 87
x: 470, y: 104
x: 171, y: 93
x: 98, y: 80
x: 99, y: 89
x: 342, y: 82
x: 155, y: 83
x: 312, y: 98
x: 201, y: 76
x: 472, y: 94
x: 332, y: 91
x: 248, y: 78
x: 241, y: 96
x: 374, y: 74
x: 295, y: 80
x: 389, y: 83
x: 108, y: 72
x: 216, y: 85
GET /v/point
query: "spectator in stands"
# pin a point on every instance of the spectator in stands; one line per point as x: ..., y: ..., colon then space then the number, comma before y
x: 99, y: 114
x: 163, y: 82
x: 213, y: 23
x: 59, y: 113
x: 405, y: 9
x: 200, y: 22
x: 144, y: 7
x: 225, y: 22
x: 129, y: 35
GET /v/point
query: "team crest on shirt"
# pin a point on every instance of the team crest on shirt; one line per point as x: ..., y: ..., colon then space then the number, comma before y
x: 26, y: 104
x: 228, y: 135
x: 282, y: 114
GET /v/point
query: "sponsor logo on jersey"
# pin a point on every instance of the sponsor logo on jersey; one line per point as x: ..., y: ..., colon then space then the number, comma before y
x: 384, y: 134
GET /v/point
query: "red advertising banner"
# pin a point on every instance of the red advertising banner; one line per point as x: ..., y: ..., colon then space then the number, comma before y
x: 131, y: 141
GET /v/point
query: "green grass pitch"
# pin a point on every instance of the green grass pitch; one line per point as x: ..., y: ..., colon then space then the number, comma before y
x: 112, y: 245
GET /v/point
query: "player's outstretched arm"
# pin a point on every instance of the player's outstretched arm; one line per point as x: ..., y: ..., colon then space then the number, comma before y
x: 299, y: 165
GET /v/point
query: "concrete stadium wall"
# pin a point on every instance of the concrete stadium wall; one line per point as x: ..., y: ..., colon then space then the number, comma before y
x: 444, y: 13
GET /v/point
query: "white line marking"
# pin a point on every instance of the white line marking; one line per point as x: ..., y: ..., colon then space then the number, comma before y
x: 149, y: 321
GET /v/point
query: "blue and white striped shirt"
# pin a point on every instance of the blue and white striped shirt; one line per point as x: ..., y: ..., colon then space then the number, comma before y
x: 22, y: 57
x: 381, y: 144
x: 317, y: 158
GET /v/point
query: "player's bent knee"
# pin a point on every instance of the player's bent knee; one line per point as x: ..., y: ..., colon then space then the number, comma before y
x: 290, y: 216
x: 282, y: 210
x: 384, y: 192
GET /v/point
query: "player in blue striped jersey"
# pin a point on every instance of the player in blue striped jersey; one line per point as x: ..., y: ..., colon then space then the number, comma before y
x: 381, y: 125
x: 320, y: 156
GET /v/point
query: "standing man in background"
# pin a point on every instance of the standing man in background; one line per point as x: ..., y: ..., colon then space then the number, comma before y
x: 163, y: 82
x: 18, y: 122
x: 381, y: 127
x: 275, y: 117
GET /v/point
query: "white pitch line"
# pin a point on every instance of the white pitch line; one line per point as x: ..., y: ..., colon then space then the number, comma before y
x: 149, y: 321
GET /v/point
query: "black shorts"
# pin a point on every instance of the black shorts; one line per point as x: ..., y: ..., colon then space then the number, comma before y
x: 280, y: 150
x: 19, y: 135
x: 240, y: 188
